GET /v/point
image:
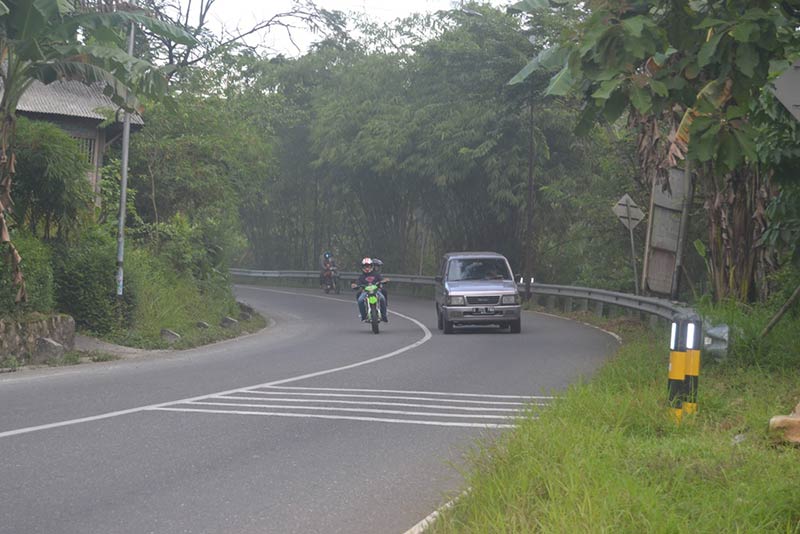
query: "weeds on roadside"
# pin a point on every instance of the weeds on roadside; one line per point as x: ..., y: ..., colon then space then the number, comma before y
x: 606, y: 457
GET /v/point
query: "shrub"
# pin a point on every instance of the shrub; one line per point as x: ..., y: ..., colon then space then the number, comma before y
x: 38, y: 277
x: 51, y: 191
x: 169, y: 299
x: 85, y: 281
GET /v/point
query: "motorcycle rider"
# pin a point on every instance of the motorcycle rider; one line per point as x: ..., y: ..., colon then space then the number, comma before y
x: 326, y: 264
x: 378, y: 268
x: 369, y: 276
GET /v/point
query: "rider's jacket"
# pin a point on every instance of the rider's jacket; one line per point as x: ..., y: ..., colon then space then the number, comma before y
x: 369, y: 278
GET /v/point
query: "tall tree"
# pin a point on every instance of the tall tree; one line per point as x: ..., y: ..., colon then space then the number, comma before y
x: 689, y: 75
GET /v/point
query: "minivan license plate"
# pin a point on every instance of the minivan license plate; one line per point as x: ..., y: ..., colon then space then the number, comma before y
x: 482, y: 311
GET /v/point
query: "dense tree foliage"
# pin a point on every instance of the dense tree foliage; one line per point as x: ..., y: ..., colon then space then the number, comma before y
x: 692, y: 78
x: 405, y: 140
x: 51, y: 40
x: 408, y: 143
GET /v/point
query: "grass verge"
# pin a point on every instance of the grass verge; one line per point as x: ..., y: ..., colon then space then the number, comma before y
x: 606, y: 457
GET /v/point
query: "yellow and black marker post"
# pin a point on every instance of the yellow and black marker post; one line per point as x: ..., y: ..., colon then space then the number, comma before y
x: 694, y: 338
x: 677, y: 367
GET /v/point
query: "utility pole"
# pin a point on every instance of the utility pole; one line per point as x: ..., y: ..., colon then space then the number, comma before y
x: 527, y: 272
x: 123, y: 193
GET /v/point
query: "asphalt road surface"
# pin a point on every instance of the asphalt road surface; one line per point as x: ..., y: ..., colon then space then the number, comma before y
x: 312, y: 425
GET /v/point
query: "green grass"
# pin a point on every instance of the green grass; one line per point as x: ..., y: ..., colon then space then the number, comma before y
x: 9, y: 363
x: 166, y: 299
x: 606, y: 457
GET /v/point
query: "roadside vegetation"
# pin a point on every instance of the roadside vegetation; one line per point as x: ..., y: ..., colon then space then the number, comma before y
x: 607, y: 457
x: 481, y: 127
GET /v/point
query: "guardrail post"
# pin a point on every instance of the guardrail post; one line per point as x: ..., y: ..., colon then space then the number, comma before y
x: 599, y: 308
x: 583, y: 305
x: 567, y: 304
x: 551, y: 302
x: 677, y: 367
x: 694, y: 340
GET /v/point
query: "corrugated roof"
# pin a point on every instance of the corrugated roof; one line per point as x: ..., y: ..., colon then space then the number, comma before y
x: 70, y: 98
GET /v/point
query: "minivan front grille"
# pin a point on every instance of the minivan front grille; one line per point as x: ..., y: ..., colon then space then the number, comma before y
x: 493, y: 299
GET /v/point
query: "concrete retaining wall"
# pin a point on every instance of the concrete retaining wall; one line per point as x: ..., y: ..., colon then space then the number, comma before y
x: 18, y: 338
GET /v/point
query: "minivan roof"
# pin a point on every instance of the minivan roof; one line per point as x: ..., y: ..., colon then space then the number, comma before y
x: 467, y: 254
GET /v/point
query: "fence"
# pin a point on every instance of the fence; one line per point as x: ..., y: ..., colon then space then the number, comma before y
x: 569, y: 297
x: 566, y: 298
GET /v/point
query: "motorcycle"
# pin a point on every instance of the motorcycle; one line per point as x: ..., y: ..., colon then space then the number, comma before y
x: 373, y: 305
x: 331, y: 280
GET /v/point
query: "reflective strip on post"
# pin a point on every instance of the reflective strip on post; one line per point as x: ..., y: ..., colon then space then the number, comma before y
x: 677, y: 368
x: 694, y: 333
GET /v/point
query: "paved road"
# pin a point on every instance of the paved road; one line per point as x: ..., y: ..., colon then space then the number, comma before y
x: 312, y: 425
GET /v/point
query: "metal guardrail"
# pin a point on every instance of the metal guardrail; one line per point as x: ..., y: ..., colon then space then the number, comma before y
x: 654, y: 306
x: 716, y: 337
x: 659, y: 307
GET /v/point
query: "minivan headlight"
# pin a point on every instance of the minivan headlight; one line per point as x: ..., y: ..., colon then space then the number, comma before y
x: 455, y: 301
x: 510, y: 299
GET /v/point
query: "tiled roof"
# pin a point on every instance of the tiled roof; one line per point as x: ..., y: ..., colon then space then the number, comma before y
x: 70, y: 98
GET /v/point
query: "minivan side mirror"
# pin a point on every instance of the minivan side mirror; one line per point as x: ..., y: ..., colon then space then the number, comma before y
x: 437, y: 278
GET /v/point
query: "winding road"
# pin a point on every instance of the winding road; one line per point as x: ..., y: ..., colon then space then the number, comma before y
x: 312, y: 425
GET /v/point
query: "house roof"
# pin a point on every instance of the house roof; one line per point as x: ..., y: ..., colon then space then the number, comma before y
x: 70, y: 98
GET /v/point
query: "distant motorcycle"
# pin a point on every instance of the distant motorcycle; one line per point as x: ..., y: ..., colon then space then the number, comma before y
x: 331, y: 280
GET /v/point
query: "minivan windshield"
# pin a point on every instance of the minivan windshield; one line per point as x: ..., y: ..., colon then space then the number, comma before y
x: 477, y: 269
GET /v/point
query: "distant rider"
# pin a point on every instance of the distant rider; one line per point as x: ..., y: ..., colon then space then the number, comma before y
x: 369, y: 276
x: 327, y: 263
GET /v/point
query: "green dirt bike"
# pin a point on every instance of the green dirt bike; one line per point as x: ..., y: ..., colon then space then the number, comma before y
x: 373, y: 305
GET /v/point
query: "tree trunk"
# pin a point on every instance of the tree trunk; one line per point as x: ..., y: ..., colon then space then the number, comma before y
x: 735, y: 223
x: 7, y: 163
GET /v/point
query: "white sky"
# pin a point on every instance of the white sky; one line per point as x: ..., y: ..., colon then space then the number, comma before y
x: 246, y: 13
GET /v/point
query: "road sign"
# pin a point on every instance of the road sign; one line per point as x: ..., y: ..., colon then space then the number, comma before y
x: 787, y: 89
x: 630, y: 215
x: 628, y: 212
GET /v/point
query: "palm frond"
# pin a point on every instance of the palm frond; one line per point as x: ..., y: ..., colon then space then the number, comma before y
x: 122, y: 19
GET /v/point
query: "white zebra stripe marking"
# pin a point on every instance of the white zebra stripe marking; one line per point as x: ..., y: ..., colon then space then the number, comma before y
x: 375, y: 403
x: 308, y: 402
x: 394, y: 397
x: 348, y: 418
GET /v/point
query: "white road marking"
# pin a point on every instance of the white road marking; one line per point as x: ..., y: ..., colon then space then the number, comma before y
x: 357, y: 410
x: 376, y: 403
x: 427, y: 335
x: 308, y: 401
x: 484, y: 395
x: 423, y: 525
x: 396, y: 397
x: 349, y: 418
x: 337, y: 394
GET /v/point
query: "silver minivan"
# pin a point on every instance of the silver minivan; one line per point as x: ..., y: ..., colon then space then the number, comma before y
x: 476, y: 288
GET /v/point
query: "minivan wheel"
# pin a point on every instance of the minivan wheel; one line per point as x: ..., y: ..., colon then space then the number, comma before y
x: 448, y: 327
x: 439, y: 320
x: 516, y: 326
